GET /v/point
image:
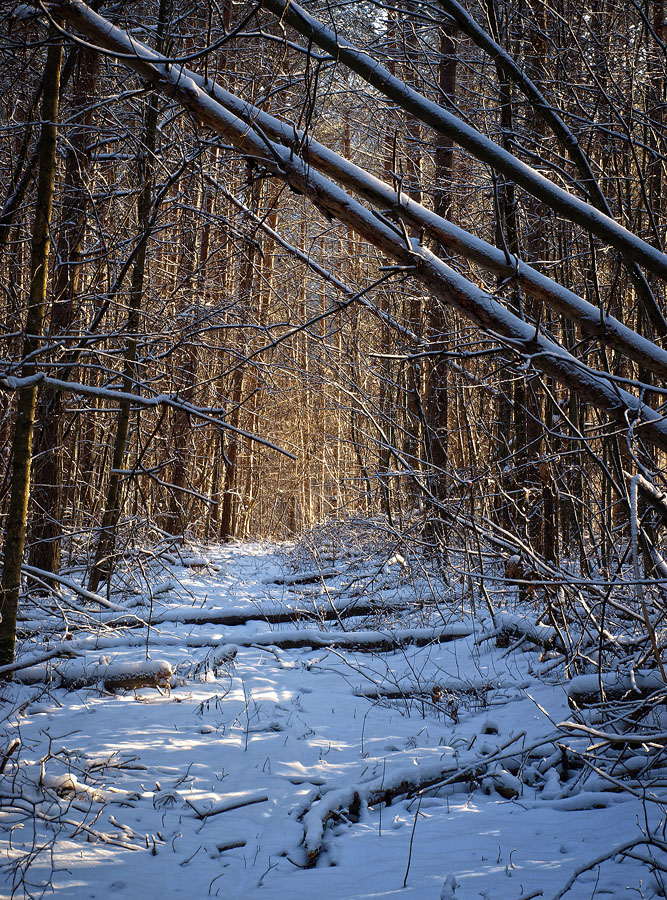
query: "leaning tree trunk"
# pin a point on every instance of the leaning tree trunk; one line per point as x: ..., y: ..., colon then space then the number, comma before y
x: 34, y: 325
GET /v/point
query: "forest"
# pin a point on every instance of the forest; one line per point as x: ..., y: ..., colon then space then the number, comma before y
x: 377, y: 285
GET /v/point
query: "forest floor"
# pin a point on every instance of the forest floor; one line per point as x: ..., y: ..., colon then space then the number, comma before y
x: 263, y: 770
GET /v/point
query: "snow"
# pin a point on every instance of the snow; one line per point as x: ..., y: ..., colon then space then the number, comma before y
x: 615, y: 681
x: 587, y: 315
x: 480, y: 307
x: 262, y: 755
x: 467, y: 137
x: 79, y: 673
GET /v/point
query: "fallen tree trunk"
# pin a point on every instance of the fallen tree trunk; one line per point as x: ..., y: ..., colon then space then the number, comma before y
x: 591, y: 690
x: 405, y: 781
x: 589, y: 318
x: 433, y: 691
x: 481, y: 308
x: 273, y: 615
x: 224, y: 651
x: 112, y: 676
x: 509, y: 627
x: 482, y: 148
x: 364, y: 641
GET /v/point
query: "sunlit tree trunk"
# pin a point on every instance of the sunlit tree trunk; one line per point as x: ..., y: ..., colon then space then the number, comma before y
x: 246, y: 292
x: 34, y: 326
x: 510, y: 422
x: 46, y: 528
x: 102, y: 565
x: 103, y: 562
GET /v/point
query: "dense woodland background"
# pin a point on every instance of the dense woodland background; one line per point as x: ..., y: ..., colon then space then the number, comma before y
x: 192, y: 348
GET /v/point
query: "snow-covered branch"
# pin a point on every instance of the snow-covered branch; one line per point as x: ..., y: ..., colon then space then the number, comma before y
x: 481, y: 147
x: 13, y: 383
x: 453, y: 289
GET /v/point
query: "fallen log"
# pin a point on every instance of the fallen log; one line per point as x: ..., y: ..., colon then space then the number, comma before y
x: 390, y: 639
x: 591, y: 690
x: 348, y: 801
x: 272, y: 614
x: 113, y: 676
x: 305, y: 577
x: 438, y: 692
x: 410, y: 781
x: 71, y: 673
x: 362, y: 641
x: 510, y: 627
x: 130, y: 676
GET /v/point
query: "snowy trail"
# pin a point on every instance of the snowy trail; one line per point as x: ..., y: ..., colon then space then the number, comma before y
x: 218, y: 788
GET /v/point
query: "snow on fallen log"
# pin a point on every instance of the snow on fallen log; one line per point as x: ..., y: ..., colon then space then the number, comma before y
x: 509, y: 626
x: 589, y: 690
x: 503, y: 782
x: 497, y: 771
x: 305, y: 577
x: 436, y: 691
x: 199, y: 562
x: 32, y: 668
x: 309, y: 638
x: 111, y: 675
x: 580, y: 801
x: 129, y: 676
x: 213, y: 806
x: 68, y: 786
x: 272, y: 613
x: 364, y: 641
x: 404, y: 780
x: 225, y: 650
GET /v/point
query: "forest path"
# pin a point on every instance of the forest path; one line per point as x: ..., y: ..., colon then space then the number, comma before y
x: 252, y: 777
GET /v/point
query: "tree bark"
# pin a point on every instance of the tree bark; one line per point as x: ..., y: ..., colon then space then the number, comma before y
x: 34, y: 326
x: 102, y: 565
x: 440, y: 321
x: 480, y: 307
x: 46, y: 529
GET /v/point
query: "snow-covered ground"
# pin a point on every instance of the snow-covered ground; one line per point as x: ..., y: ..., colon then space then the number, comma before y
x: 252, y: 777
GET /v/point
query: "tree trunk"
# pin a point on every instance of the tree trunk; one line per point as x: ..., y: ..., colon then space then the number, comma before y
x: 246, y: 287
x: 102, y: 565
x: 46, y: 529
x: 440, y: 321
x: 34, y: 326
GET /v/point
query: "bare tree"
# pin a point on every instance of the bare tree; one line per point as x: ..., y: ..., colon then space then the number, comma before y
x: 32, y: 342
